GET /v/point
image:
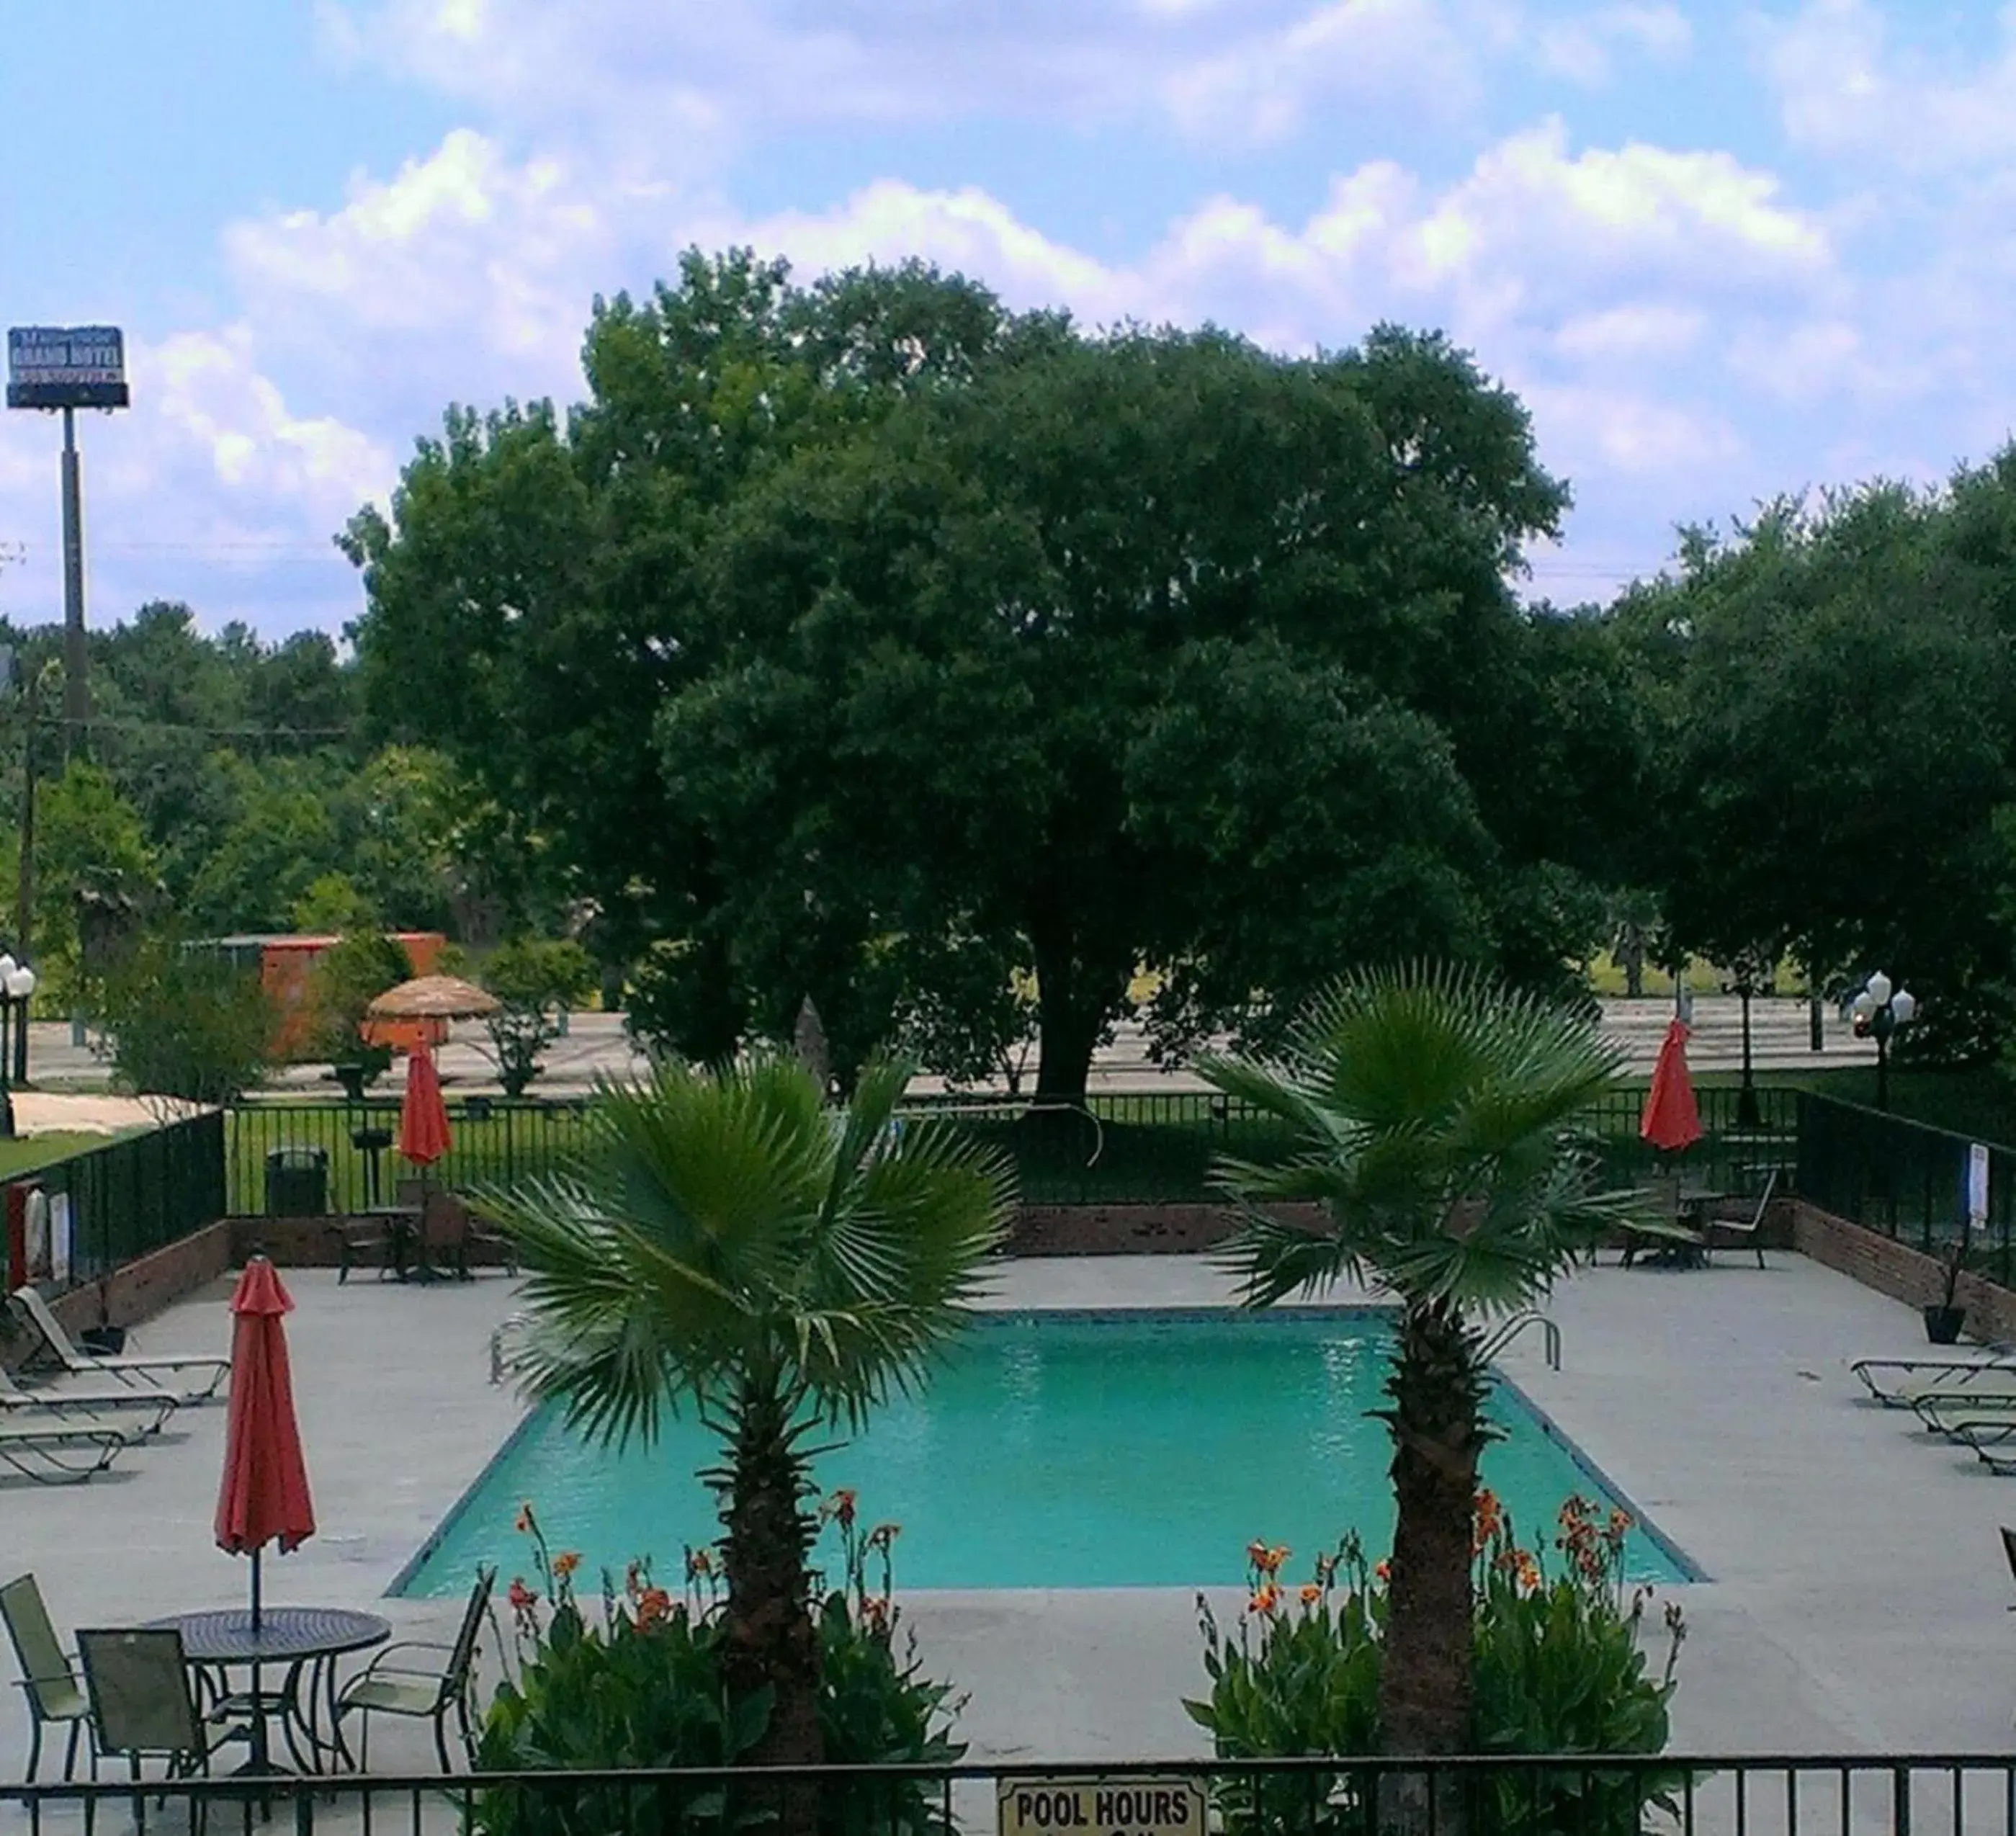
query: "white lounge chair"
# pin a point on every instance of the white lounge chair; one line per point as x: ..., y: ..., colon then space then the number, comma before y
x: 1897, y: 1382
x: 49, y: 1452
x: 135, y: 1412
x: 1991, y: 1438
x: 127, y: 1368
x: 1744, y: 1222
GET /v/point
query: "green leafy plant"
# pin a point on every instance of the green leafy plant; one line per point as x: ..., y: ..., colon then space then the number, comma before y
x: 186, y: 1023
x: 347, y: 978
x: 642, y: 1684
x: 537, y: 979
x: 1561, y: 1668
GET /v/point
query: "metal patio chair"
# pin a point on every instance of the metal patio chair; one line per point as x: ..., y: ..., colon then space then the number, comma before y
x: 143, y: 1704
x: 397, y: 1688
x: 54, y: 1694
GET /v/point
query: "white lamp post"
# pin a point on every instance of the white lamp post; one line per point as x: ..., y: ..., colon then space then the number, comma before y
x: 9, y: 969
x: 1880, y: 1010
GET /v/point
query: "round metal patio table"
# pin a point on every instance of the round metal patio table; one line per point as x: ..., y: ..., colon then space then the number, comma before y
x: 307, y: 1640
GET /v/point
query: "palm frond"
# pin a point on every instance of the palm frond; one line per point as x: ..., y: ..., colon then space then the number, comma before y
x: 1430, y: 1108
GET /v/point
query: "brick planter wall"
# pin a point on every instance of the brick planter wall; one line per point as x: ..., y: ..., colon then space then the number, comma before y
x: 1898, y: 1270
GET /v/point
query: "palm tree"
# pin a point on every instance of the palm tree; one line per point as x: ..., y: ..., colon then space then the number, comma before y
x: 1430, y: 1114
x: 731, y: 1244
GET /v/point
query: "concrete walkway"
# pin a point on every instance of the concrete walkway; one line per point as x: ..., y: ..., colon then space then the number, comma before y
x: 1858, y: 1589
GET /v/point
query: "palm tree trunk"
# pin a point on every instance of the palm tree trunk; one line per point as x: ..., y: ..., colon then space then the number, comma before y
x: 1437, y: 1389
x: 768, y: 1636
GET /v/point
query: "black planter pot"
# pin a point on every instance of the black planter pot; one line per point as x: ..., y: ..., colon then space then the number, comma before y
x: 1942, y: 1324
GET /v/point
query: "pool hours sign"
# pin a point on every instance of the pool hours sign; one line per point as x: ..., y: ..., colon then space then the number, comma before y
x: 1128, y: 1806
x: 67, y: 366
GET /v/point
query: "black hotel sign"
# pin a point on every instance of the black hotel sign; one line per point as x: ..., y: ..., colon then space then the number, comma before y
x: 67, y: 366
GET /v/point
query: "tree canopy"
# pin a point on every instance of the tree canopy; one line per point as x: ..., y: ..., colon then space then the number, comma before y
x: 859, y: 640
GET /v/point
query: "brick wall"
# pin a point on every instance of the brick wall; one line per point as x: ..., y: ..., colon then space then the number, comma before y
x: 135, y: 1292
x: 1898, y: 1270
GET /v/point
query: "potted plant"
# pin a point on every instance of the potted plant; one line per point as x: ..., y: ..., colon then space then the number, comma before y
x: 1943, y: 1322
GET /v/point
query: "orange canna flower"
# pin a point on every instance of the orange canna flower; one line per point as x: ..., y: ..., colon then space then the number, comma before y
x: 520, y: 1595
x: 841, y: 1506
x: 1311, y: 1593
x: 1256, y: 1552
x: 698, y: 1562
x: 565, y: 1563
x: 1382, y: 1571
x: 1269, y: 1561
x: 1265, y: 1601
x: 1528, y: 1574
x: 1620, y: 1521
x: 653, y: 1604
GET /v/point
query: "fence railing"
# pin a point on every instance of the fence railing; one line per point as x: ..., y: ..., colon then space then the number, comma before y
x: 494, y: 1141
x: 1963, y: 1794
x: 138, y: 1194
x: 1905, y: 1180
x: 1154, y: 1147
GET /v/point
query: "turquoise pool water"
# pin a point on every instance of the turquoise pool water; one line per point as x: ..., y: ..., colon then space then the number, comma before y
x: 1135, y: 1450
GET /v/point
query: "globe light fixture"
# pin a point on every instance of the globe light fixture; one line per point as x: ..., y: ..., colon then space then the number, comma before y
x: 1880, y: 1010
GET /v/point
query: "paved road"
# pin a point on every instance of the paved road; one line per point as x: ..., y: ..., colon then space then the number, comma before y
x: 595, y: 1044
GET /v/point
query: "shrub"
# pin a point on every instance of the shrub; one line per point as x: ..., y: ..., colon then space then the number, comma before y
x: 639, y: 1685
x: 187, y: 1024
x: 347, y: 978
x: 1560, y: 1668
x: 536, y: 979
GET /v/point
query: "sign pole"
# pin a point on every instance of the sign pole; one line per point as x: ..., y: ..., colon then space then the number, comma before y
x: 77, y: 685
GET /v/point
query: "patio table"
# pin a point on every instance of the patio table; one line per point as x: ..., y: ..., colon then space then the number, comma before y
x: 307, y: 1641
x: 1662, y: 1252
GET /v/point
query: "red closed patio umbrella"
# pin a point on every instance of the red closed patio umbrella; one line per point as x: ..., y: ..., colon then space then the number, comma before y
x: 424, y: 1131
x: 1670, y: 1121
x: 264, y: 1495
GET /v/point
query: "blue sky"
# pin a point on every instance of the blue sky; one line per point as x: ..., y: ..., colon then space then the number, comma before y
x: 1723, y: 250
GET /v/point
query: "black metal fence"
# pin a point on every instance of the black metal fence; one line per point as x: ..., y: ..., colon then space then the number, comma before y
x: 138, y: 1194
x: 336, y: 1156
x: 1905, y: 1180
x: 1966, y: 1795
x: 1155, y: 1147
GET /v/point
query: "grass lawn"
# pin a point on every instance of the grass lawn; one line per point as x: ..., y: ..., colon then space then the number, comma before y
x: 25, y: 1153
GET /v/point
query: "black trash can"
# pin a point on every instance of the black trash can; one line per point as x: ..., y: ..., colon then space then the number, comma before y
x: 296, y: 1182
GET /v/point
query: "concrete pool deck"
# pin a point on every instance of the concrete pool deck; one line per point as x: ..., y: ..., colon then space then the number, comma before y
x: 1856, y: 1603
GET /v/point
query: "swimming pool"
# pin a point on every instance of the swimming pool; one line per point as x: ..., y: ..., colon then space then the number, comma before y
x: 1059, y: 1450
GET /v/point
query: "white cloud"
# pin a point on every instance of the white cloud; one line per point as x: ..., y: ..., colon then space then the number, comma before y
x: 704, y: 80
x: 1584, y: 49
x: 1843, y: 87
x: 1632, y: 334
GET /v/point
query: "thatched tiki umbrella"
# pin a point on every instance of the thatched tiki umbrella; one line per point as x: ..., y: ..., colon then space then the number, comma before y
x: 434, y: 997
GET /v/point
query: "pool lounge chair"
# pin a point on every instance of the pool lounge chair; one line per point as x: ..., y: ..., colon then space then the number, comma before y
x: 139, y: 1411
x: 208, y: 1369
x: 1897, y: 1383
x: 1991, y: 1438
x: 1742, y: 1220
x: 51, y: 1453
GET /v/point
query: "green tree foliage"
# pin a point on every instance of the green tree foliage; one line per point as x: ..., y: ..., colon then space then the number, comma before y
x: 1432, y: 1112
x: 732, y: 1244
x: 1836, y: 690
x: 97, y: 872
x: 971, y: 645
x: 186, y: 1023
x: 537, y: 979
x: 346, y: 978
